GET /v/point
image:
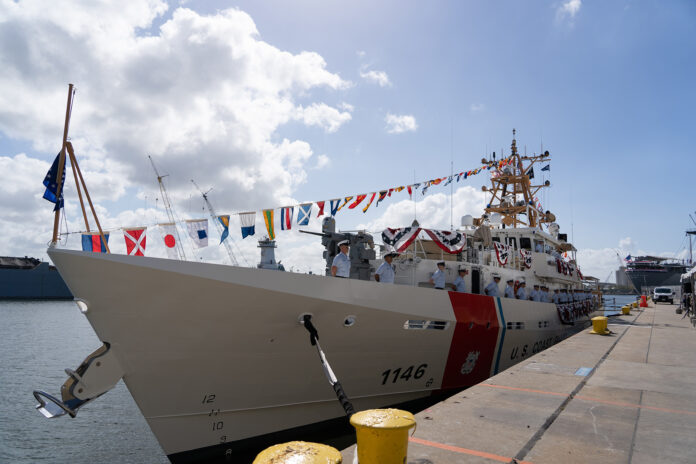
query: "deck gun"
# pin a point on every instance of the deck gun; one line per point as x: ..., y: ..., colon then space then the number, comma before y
x: 361, y: 248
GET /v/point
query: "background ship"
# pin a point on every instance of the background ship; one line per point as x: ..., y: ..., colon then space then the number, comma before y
x: 29, y: 279
x: 651, y: 271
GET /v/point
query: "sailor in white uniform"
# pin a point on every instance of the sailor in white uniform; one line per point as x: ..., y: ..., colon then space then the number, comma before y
x: 385, y: 272
x: 459, y: 285
x: 509, y: 289
x: 492, y: 288
x: 521, y: 292
x: 438, y: 277
x: 340, y: 267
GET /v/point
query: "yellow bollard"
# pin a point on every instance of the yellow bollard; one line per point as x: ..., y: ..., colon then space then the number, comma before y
x: 626, y: 310
x: 299, y: 452
x: 599, y: 325
x: 382, y: 435
x: 634, y: 304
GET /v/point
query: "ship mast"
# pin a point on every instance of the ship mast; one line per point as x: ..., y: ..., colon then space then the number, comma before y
x: 512, y: 192
x: 168, y: 208
x: 217, y: 223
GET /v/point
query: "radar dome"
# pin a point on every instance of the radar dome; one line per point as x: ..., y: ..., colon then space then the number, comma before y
x: 467, y: 220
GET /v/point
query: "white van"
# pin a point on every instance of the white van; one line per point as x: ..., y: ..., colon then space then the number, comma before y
x: 663, y: 294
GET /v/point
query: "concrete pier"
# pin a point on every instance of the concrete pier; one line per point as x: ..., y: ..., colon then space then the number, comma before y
x: 629, y: 397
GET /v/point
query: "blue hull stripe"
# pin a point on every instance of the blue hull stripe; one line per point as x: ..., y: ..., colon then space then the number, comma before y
x: 502, y: 334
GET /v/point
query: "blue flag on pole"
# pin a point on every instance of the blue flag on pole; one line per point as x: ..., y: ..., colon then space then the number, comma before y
x: 546, y: 168
x: 51, y: 184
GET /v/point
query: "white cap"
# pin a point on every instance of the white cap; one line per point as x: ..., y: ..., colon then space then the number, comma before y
x: 344, y: 242
x: 390, y: 250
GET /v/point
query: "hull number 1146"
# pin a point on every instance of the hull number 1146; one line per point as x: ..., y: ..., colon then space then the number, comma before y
x: 403, y: 374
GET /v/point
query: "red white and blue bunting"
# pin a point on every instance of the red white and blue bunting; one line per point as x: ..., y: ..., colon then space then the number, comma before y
x: 526, y: 258
x: 451, y: 242
x: 502, y: 253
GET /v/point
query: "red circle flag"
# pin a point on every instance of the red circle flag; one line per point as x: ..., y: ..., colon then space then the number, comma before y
x: 169, y: 240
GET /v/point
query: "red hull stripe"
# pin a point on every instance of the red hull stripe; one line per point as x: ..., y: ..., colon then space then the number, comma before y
x: 474, y: 341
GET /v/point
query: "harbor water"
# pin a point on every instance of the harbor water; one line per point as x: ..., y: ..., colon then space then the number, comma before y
x: 38, y: 340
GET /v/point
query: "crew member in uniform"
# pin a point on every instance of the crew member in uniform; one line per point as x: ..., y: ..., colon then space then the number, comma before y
x: 459, y: 285
x: 438, y: 277
x: 564, y: 296
x: 545, y: 297
x: 521, y: 293
x: 510, y: 290
x: 385, y: 272
x: 556, y: 298
x: 535, y: 294
x: 492, y: 288
x: 340, y: 267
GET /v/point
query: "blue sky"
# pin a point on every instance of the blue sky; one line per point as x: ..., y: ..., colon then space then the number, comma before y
x: 607, y: 86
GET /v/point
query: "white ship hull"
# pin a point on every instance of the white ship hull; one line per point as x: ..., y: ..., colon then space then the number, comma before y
x: 214, y: 356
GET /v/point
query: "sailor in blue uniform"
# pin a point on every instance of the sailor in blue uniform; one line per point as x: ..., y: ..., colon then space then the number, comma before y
x: 509, y: 289
x: 564, y: 296
x: 545, y: 297
x: 340, y: 267
x: 556, y: 298
x: 459, y: 285
x: 521, y: 292
x: 492, y: 288
x: 385, y: 272
x: 535, y: 294
x: 438, y: 277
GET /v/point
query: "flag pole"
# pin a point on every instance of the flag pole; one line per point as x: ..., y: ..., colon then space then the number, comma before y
x: 61, y: 166
x: 73, y: 160
x: 73, y: 163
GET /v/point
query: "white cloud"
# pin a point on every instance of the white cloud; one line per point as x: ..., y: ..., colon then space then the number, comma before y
x: 202, y: 94
x: 627, y: 244
x: 432, y: 210
x: 567, y: 10
x: 476, y: 107
x: 397, y: 124
x: 322, y: 161
x: 346, y: 107
x: 377, y: 77
x: 324, y: 116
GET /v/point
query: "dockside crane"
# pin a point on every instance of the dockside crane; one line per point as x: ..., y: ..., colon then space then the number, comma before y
x: 168, y: 209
